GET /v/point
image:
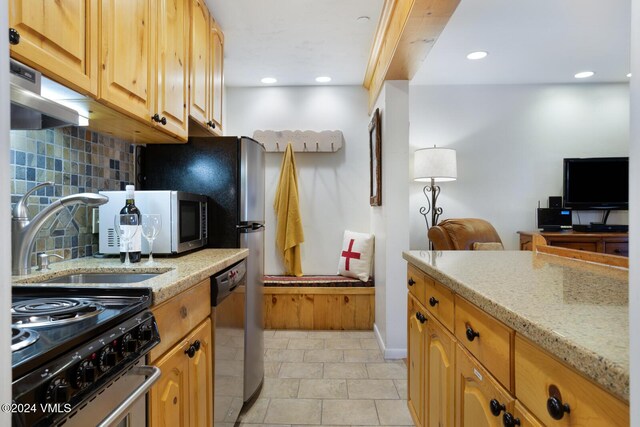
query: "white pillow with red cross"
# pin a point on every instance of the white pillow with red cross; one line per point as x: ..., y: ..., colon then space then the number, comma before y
x: 356, y: 255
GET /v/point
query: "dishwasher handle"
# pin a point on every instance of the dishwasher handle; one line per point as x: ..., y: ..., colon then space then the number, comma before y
x: 152, y: 373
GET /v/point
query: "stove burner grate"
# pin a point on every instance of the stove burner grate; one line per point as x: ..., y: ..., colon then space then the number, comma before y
x: 21, y: 338
x: 53, y: 311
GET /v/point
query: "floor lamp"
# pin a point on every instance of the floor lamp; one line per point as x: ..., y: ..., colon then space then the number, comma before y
x: 433, y: 165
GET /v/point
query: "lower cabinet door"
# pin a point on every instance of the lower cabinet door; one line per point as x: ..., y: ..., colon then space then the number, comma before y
x: 416, y: 334
x: 201, y: 377
x: 169, y: 397
x: 480, y: 400
x: 522, y: 417
x: 440, y: 388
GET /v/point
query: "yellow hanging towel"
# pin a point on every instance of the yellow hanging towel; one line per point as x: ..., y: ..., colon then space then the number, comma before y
x: 289, y: 234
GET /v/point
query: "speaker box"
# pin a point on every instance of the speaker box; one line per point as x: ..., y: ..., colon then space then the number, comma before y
x: 555, y: 201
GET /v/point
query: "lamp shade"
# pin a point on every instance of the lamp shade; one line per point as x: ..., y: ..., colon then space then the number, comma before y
x: 435, y: 163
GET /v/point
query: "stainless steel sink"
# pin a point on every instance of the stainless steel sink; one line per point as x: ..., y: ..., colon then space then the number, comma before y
x: 102, y: 278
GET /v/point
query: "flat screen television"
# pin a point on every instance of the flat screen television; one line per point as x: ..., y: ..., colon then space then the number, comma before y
x: 596, y: 183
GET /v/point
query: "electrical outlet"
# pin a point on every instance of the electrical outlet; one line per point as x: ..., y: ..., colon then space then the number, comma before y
x: 95, y: 220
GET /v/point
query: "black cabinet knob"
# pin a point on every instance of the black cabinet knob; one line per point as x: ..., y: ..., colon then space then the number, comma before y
x: 155, y: 117
x: 14, y: 36
x: 508, y: 420
x: 496, y: 407
x: 163, y: 120
x: 421, y: 317
x: 433, y: 301
x: 196, y: 345
x: 191, y: 351
x: 211, y: 124
x: 411, y: 282
x: 471, y: 334
x: 556, y: 408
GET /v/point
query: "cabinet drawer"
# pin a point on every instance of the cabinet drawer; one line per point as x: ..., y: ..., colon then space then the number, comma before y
x: 581, y: 246
x: 490, y: 341
x: 616, y: 248
x: 179, y: 315
x: 480, y: 400
x: 416, y: 283
x: 439, y: 302
x: 539, y: 378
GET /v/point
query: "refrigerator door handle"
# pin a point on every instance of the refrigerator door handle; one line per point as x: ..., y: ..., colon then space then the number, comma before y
x: 248, y: 228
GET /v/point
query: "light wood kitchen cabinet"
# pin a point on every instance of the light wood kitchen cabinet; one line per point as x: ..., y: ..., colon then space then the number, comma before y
x: 127, y: 63
x: 522, y: 417
x: 480, y: 400
x: 199, y: 98
x: 416, y: 341
x: 184, y: 394
x: 217, y: 66
x: 59, y: 38
x: 172, y: 59
x: 440, y: 372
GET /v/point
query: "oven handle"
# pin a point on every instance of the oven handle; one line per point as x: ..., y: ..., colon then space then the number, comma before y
x: 153, y: 373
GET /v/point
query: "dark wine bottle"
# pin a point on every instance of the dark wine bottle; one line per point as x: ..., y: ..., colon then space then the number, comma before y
x: 135, y: 246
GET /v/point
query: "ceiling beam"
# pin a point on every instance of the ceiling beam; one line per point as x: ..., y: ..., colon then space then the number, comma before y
x: 406, y: 33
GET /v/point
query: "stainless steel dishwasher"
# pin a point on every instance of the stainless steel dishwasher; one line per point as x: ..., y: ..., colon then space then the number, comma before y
x: 228, y: 301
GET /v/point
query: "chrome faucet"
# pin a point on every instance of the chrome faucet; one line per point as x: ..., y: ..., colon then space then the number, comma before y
x: 23, y: 230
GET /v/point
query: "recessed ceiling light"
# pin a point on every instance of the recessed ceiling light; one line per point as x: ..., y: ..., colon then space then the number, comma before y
x: 629, y: 75
x: 363, y: 19
x: 583, y: 74
x: 477, y: 55
x: 269, y: 80
x: 323, y: 79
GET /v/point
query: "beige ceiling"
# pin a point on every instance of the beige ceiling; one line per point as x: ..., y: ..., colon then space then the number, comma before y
x: 296, y: 41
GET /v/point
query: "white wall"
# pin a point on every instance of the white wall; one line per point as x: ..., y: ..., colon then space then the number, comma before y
x: 333, y: 187
x: 510, y: 142
x: 634, y: 217
x: 5, y: 229
x: 390, y: 222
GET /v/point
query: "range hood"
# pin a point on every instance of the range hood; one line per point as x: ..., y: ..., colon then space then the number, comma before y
x: 29, y: 109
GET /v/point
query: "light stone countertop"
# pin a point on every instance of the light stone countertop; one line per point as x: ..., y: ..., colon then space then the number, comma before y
x: 575, y: 310
x: 179, y: 272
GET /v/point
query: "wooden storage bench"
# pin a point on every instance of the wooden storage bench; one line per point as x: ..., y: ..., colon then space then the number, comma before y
x: 318, y: 302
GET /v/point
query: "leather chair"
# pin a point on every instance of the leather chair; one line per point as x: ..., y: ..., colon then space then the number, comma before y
x: 462, y: 233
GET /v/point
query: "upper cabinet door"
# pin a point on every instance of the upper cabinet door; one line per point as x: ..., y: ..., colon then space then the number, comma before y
x: 59, y: 38
x: 127, y: 79
x: 217, y: 65
x: 200, y: 60
x: 172, y: 65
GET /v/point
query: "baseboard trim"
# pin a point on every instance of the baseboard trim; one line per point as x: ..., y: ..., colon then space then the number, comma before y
x: 389, y: 353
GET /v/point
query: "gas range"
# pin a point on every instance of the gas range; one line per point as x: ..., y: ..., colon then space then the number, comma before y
x: 69, y: 344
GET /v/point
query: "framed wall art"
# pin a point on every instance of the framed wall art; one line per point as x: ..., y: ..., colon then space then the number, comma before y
x: 375, y: 160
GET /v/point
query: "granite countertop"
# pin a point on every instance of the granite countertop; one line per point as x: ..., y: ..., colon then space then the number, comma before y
x: 577, y: 311
x: 179, y: 273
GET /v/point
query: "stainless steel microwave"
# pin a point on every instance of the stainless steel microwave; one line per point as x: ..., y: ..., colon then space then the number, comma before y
x: 184, y: 220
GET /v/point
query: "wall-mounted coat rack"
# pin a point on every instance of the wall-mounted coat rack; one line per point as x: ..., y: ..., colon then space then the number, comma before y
x: 308, y: 141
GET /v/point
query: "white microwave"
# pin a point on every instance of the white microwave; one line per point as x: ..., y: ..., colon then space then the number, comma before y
x: 184, y: 220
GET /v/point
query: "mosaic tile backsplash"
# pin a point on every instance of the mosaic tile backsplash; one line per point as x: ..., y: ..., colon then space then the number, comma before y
x: 77, y: 161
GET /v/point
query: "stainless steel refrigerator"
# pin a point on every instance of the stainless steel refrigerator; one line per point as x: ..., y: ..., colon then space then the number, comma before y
x: 230, y: 171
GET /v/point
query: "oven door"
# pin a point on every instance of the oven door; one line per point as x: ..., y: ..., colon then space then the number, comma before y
x: 121, y: 404
x: 189, y: 231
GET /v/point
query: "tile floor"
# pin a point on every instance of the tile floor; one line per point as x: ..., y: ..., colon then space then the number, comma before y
x: 328, y: 378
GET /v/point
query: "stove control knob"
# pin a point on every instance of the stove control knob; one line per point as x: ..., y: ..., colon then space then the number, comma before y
x: 146, y: 332
x: 85, y: 374
x: 129, y: 345
x: 58, y: 391
x: 108, y: 358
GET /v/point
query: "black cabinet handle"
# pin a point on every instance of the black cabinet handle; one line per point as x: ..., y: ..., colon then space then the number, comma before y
x: 191, y: 351
x: 556, y: 408
x: 211, y: 124
x: 471, y: 334
x: 155, y: 117
x: 14, y: 36
x: 196, y: 345
x: 508, y: 420
x: 433, y: 301
x: 496, y: 407
x: 421, y: 317
x: 411, y: 282
x: 163, y: 120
